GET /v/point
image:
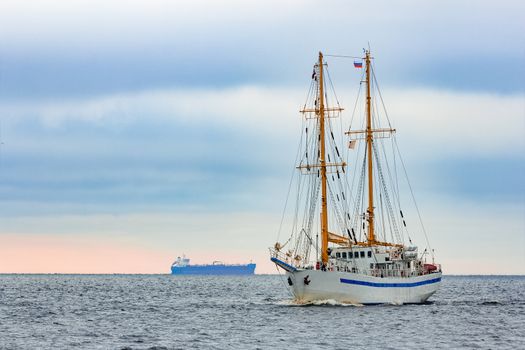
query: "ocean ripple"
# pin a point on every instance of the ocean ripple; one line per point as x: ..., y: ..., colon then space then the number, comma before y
x: 174, y: 312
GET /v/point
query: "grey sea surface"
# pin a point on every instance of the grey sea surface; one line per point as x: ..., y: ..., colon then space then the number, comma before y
x: 248, y: 312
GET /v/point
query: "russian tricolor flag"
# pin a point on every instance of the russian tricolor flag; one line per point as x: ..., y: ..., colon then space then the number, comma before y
x: 358, y: 64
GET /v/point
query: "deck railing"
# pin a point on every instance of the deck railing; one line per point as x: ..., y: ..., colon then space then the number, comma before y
x: 347, y: 267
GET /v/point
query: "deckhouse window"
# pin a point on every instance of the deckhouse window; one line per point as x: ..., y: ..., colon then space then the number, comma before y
x: 344, y: 255
x: 362, y: 254
x: 337, y: 255
x: 369, y: 253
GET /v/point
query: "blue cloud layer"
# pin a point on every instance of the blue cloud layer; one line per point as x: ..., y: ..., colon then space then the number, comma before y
x: 81, y: 52
x: 139, y: 165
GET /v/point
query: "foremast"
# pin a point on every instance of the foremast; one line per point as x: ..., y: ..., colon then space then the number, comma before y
x: 321, y: 111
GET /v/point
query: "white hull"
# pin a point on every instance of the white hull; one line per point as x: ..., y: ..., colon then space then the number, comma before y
x: 346, y: 287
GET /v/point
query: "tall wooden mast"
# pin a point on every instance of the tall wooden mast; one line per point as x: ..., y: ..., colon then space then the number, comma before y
x: 369, y: 143
x: 324, y: 205
x: 369, y: 137
x: 322, y: 113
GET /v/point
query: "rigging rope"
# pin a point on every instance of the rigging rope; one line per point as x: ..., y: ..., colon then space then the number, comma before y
x: 289, y: 188
x: 394, y: 141
x: 385, y: 192
x: 415, y: 203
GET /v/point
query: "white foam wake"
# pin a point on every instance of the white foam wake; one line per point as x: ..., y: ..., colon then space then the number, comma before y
x: 326, y: 302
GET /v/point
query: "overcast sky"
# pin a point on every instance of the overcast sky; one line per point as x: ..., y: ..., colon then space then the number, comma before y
x: 136, y: 131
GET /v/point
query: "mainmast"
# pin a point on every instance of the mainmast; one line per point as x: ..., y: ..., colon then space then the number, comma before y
x: 369, y: 143
x: 368, y: 135
x: 324, y: 206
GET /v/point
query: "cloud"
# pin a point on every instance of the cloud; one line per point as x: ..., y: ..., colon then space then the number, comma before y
x: 142, y: 151
x: 97, y: 23
x: 460, y: 123
x: 89, y: 48
x: 440, y: 121
x: 222, y: 149
x: 235, y: 106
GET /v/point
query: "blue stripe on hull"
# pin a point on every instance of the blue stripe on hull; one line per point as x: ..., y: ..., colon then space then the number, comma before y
x: 390, y: 285
x: 248, y: 269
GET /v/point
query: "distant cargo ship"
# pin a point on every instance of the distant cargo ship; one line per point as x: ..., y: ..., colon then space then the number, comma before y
x: 182, y: 267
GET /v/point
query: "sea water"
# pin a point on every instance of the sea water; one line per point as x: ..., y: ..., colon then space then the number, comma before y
x: 248, y: 312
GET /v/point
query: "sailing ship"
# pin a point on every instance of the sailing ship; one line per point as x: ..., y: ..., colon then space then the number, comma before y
x: 366, y: 255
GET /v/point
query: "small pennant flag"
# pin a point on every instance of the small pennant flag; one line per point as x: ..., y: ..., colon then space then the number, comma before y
x: 352, y: 144
x: 358, y: 64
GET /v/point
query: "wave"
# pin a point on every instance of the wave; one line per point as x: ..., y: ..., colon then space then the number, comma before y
x: 326, y: 302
